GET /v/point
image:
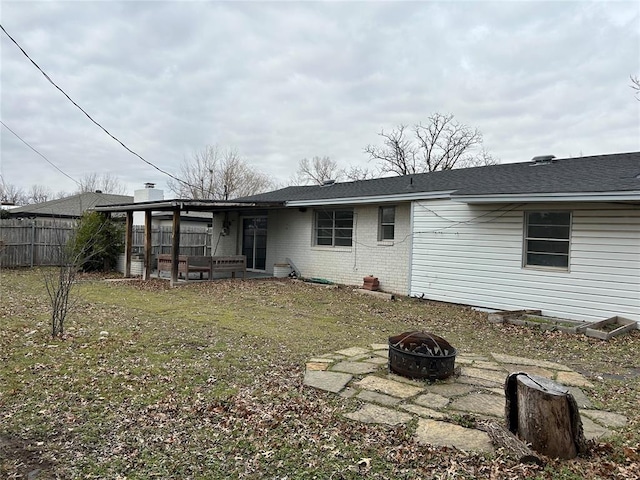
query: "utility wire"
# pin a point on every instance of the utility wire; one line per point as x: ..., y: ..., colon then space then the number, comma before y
x: 89, y: 116
x: 48, y: 161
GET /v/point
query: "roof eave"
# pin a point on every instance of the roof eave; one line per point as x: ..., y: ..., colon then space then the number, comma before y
x: 630, y: 196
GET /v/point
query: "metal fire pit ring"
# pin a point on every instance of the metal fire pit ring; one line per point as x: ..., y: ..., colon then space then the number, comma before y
x: 408, y: 363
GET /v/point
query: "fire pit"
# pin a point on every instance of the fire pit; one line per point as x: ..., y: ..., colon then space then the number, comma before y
x: 421, y: 355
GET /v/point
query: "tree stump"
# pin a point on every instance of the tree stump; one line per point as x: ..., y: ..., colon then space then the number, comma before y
x: 545, y: 415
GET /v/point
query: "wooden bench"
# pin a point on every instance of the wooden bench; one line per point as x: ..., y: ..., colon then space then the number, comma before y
x: 203, y: 264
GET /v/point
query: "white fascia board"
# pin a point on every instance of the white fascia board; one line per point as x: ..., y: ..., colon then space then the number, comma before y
x: 550, y: 197
x: 404, y: 197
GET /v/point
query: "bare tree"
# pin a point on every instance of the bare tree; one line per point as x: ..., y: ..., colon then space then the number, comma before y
x: 635, y: 85
x: 442, y: 143
x: 12, y: 194
x: 39, y: 194
x: 105, y: 182
x: 354, y: 173
x: 217, y: 174
x: 317, y: 171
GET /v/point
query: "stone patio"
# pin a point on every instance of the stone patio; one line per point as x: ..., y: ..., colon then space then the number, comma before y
x: 477, y: 391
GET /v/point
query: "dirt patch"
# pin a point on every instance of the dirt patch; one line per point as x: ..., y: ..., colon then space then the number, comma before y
x: 22, y: 459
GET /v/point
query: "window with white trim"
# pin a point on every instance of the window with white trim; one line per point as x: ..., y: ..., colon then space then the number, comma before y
x: 333, y: 228
x: 386, y: 223
x: 547, y: 239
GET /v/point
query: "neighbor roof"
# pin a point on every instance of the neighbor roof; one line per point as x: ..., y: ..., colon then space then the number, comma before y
x: 69, y: 207
x: 581, y: 175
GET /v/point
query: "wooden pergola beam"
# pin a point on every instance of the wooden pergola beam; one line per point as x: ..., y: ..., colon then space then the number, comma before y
x: 128, y: 244
x: 175, y: 247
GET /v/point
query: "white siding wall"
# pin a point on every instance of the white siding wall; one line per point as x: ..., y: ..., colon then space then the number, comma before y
x: 473, y: 255
x: 290, y: 235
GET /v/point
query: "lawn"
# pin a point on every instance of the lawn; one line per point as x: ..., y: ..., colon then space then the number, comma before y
x: 205, y: 381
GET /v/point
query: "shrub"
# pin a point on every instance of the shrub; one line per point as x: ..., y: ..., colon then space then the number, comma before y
x: 98, y: 242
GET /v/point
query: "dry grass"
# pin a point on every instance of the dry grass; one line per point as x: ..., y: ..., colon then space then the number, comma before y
x: 205, y: 381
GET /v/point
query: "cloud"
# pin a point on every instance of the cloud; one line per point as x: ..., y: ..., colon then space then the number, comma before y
x: 280, y: 81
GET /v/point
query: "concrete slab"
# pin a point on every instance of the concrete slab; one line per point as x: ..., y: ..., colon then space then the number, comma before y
x: 376, y: 414
x: 379, y: 346
x: 388, y: 387
x: 352, y: 351
x: 431, y: 400
x: 529, y: 361
x: 355, y: 368
x: 482, y: 403
x: 608, y: 419
x: 422, y: 411
x: 381, y: 398
x: 329, y: 381
x: 446, y: 434
x: 573, y: 379
x: 464, y: 361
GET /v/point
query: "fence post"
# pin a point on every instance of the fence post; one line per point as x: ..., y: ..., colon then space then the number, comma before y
x: 33, y: 241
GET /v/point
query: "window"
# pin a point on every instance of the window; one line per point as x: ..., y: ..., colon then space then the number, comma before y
x: 547, y: 238
x: 386, y: 223
x: 334, y: 228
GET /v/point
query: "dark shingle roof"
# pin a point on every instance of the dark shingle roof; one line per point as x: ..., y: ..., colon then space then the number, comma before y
x: 601, y: 173
x: 69, y: 207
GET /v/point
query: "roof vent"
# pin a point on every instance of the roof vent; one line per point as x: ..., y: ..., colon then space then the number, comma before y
x: 149, y: 185
x: 543, y: 159
x: 326, y: 183
x: 98, y: 191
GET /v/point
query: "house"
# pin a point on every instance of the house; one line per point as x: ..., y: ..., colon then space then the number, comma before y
x: 68, y: 208
x: 557, y: 235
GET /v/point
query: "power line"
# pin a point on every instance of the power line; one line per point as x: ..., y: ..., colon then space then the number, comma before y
x: 89, y: 116
x: 48, y: 161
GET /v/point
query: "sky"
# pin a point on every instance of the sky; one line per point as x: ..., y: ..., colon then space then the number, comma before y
x: 282, y: 81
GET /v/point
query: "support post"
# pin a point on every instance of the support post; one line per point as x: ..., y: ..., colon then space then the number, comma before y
x: 175, y: 247
x: 128, y: 244
x: 146, y: 273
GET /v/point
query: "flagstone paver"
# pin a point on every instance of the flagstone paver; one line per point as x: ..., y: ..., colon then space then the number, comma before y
x: 476, y: 389
x: 529, y: 361
x: 388, y: 387
x: 352, y: 352
x: 573, y: 379
x: 375, y: 397
x: 446, y: 434
x: 581, y: 399
x: 608, y: 419
x: 317, y: 366
x: 491, y: 375
x: 592, y: 430
x: 531, y: 370
x: 329, y: 381
x: 451, y: 389
x: 431, y: 400
x: 370, y: 413
x: 422, y: 411
x: 480, y: 403
x: 356, y: 368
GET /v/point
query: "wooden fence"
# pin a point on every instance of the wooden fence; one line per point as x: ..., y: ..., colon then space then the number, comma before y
x: 29, y: 243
